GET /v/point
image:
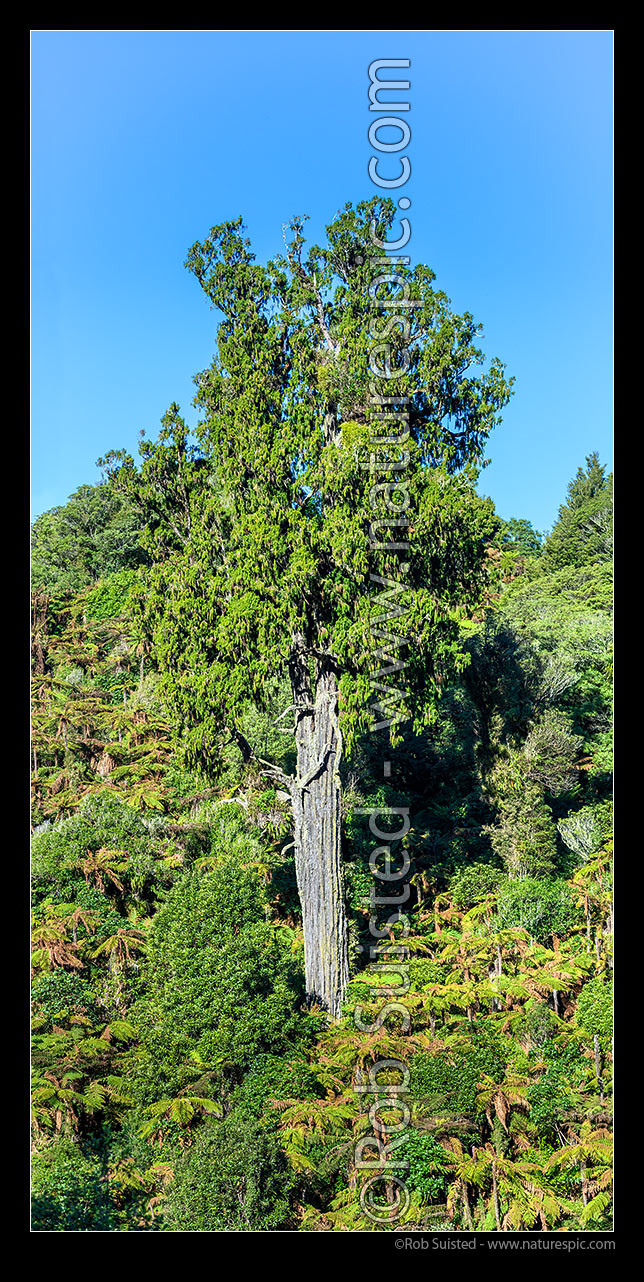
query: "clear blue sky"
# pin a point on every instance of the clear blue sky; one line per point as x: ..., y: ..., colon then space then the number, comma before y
x: 141, y: 141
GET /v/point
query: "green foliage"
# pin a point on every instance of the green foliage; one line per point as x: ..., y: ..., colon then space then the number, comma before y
x: 549, y: 1099
x: 69, y: 1191
x: 595, y: 1008
x: 233, y: 1179
x: 538, y: 1024
x: 275, y: 492
x: 180, y: 1082
x: 428, y: 1165
x: 447, y: 1084
x: 519, y: 536
x: 525, y: 839
x: 102, y: 822
x: 542, y: 907
x: 502, y: 684
x: 109, y: 599
x: 583, y: 532
x: 95, y: 534
x: 274, y: 1077
x: 469, y: 885
x: 62, y: 993
x: 220, y: 981
x: 552, y: 752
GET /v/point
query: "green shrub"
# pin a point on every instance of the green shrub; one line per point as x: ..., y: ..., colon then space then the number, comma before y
x: 543, y: 908
x: 110, y: 598
x: 70, y: 1193
x: 428, y: 1164
x: 60, y: 993
x: 595, y: 1008
x: 447, y: 1083
x: 469, y: 885
x: 234, y: 1178
x: 220, y: 979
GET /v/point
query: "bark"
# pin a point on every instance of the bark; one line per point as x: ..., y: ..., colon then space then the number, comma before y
x: 467, y: 1210
x: 496, y: 974
x: 316, y: 796
x: 495, y: 1195
x: 598, y: 1069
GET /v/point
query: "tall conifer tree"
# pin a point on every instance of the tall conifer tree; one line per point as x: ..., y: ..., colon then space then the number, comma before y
x: 270, y: 534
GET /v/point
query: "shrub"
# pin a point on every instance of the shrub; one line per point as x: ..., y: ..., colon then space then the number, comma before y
x: 595, y: 1008
x: 543, y: 908
x: 234, y: 1178
x: 469, y: 885
x: 60, y: 993
x: 221, y: 981
x: 70, y: 1194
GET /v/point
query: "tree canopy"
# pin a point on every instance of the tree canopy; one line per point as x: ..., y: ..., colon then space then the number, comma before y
x: 262, y: 537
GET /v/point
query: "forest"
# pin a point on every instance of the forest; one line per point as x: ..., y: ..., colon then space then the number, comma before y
x: 209, y: 626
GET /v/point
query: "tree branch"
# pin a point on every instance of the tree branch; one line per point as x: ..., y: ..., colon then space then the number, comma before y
x: 301, y: 783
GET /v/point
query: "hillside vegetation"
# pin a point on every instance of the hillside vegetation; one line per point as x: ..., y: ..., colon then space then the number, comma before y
x: 182, y: 1082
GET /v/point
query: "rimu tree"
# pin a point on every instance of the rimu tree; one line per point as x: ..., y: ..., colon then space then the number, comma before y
x: 264, y: 533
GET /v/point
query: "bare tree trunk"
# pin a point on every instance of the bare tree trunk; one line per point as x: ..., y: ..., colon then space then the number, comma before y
x: 598, y: 1070
x: 317, y: 816
x: 495, y: 1195
x: 496, y: 973
x: 467, y: 1210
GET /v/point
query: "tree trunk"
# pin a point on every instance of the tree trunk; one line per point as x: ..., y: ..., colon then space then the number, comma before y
x: 469, y: 1224
x: 495, y: 1196
x: 316, y: 811
x: 598, y: 1069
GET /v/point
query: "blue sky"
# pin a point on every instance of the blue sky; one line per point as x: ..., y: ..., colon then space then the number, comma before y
x: 141, y: 141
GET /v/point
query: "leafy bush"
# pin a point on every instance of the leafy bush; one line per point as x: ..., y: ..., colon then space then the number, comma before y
x: 428, y: 1164
x: 272, y: 1077
x: 62, y: 992
x: 234, y: 1178
x: 100, y: 822
x: 220, y: 980
x: 469, y: 885
x: 543, y: 908
x: 595, y: 1007
x: 70, y: 1193
x: 447, y: 1083
x: 109, y: 599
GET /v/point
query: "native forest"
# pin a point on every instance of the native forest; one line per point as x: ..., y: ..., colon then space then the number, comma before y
x: 248, y: 640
